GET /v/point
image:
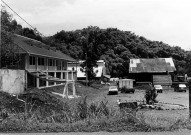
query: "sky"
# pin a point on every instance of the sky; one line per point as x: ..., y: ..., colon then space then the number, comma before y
x: 168, y: 21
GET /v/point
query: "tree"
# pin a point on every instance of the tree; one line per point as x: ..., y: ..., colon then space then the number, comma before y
x: 31, y: 34
x: 9, y: 58
x: 188, y: 61
x: 90, y: 51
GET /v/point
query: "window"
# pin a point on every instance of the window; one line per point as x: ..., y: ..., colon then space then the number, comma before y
x: 64, y: 65
x: 51, y: 62
x: 32, y: 60
x: 57, y: 63
x: 41, y: 61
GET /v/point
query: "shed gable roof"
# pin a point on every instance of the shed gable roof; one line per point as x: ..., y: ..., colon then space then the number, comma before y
x: 151, y: 65
x: 35, y: 47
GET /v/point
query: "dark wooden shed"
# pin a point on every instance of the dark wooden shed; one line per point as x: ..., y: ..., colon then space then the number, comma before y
x: 157, y: 71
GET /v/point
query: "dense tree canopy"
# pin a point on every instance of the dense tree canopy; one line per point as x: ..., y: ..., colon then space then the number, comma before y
x: 7, y: 55
x: 116, y: 47
x: 9, y: 27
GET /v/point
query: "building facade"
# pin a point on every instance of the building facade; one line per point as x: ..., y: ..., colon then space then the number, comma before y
x: 100, y: 70
x: 156, y: 71
x: 42, y: 63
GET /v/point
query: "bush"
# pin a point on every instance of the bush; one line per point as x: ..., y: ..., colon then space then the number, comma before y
x: 150, y: 96
x: 4, y: 114
x: 10, y: 103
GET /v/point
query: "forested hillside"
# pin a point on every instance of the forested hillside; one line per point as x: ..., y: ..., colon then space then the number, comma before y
x: 114, y: 46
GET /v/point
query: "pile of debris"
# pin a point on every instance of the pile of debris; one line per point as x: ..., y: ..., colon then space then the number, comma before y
x: 163, y: 106
x: 155, y: 106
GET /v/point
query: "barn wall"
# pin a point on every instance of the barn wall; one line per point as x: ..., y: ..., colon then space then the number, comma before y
x: 144, y: 77
x: 12, y: 81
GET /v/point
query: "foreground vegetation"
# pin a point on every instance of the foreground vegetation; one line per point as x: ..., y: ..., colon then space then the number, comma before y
x: 40, y: 111
x: 43, y: 112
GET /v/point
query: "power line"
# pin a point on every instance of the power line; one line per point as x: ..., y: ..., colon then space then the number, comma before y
x: 22, y: 18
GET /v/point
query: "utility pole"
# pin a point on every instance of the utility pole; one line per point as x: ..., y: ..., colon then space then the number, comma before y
x: 86, y: 70
x: 86, y: 56
x: 87, y: 44
x: 189, y: 84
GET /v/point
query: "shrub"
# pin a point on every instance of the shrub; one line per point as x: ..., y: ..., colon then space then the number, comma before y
x: 4, y: 114
x: 10, y: 103
x: 150, y: 95
x: 91, y: 111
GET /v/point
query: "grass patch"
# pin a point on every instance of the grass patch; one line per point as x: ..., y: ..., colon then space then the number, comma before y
x: 111, y: 124
x: 160, y: 121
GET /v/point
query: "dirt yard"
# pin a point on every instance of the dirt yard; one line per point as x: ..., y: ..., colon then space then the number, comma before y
x: 167, y: 97
x: 170, y: 97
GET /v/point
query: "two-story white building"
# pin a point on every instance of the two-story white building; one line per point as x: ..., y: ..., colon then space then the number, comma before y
x: 100, y: 70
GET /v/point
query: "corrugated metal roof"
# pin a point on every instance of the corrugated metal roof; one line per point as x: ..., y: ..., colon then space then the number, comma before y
x: 151, y: 65
x: 35, y: 47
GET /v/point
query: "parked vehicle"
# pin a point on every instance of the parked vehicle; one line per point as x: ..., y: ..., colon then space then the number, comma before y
x: 180, y: 88
x: 158, y: 88
x: 113, y: 90
x: 126, y: 85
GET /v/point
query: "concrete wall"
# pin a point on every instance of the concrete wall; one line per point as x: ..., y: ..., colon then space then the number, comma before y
x: 12, y: 81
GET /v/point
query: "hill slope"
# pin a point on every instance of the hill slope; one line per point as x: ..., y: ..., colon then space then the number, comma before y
x: 116, y: 47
